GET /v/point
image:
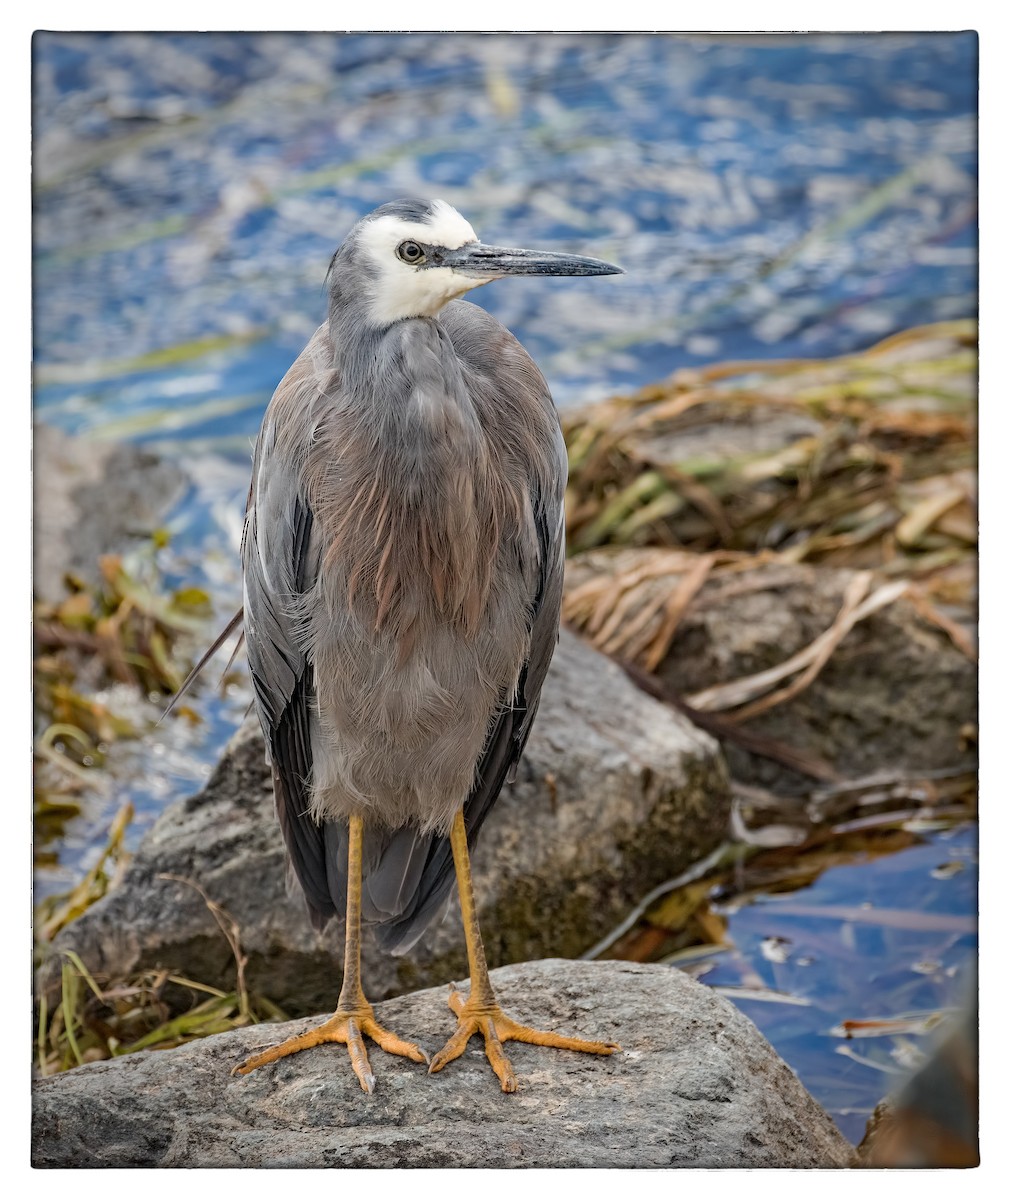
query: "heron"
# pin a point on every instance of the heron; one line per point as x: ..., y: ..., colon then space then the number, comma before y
x: 402, y: 558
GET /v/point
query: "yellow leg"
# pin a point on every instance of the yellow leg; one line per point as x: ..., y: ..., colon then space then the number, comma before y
x: 480, y: 1012
x: 355, y: 1018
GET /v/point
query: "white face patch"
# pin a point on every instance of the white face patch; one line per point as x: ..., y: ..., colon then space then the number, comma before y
x: 447, y: 228
x: 400, y: 290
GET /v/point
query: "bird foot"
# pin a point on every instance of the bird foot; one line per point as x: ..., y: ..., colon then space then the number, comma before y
x: 495, y: 1027
x: 350, y: 1028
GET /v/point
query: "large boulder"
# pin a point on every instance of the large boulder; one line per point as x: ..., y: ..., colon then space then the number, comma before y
x: 615, y: 794
x: 695, y: 1085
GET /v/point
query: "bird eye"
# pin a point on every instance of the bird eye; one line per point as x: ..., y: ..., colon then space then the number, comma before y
x: 410, y: 252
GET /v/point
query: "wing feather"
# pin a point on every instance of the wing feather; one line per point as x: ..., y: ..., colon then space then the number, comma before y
x: 278, y: 567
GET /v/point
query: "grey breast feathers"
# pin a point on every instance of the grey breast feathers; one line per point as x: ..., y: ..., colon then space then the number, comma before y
x: 381, y: 685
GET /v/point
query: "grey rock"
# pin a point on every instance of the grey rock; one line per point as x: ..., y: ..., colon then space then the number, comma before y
x: 896, y: 693
x: 92, y: 498
x: 615, y: 794
x: 695, y: 1085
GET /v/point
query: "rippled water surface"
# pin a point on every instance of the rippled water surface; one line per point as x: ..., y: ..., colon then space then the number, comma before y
x: 767, y: 196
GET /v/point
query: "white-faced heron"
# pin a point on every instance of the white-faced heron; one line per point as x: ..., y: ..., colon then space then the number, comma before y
x: 403, y: 559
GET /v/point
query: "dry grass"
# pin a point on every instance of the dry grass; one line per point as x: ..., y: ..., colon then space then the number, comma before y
x: 865, y: 461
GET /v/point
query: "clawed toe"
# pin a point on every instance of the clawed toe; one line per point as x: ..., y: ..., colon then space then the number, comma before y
x: 349, y: 1029
x: 496, y: 1027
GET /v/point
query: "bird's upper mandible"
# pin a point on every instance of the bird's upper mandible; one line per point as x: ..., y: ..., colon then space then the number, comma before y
x: 411, y: 257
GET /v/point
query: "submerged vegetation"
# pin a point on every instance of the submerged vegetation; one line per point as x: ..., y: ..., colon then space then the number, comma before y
x: 123, y: 628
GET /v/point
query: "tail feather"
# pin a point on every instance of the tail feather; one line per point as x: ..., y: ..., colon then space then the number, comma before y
x: 391, y: 880
x: 392, y: 872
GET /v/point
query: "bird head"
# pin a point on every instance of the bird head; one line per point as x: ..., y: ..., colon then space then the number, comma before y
x: 411, y: 257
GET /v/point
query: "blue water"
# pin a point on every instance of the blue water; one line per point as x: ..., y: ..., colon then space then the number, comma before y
x: 768, y: 197
x: 873, y: 942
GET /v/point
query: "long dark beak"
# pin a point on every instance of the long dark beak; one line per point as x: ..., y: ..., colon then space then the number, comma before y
x: 480, y: 260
